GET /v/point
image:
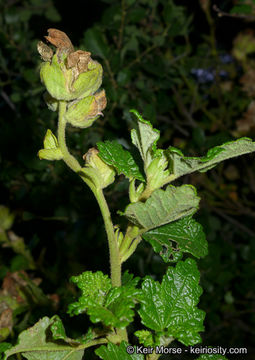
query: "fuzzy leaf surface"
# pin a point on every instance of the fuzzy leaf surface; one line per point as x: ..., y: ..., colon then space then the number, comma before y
x: 211, y: 357
x: 113, y: 154
x: 94, y: 288
x: 170, y: 308
x: 115, y: 352
x: 144, y: 138
x: 163, y: 206
x: 181, y: 165
x: 186, y: 233
x: 34, y: 344
x: 113, y: 306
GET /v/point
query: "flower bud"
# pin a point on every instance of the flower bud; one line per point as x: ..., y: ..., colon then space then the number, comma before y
x: 82, y: 113
x: 105, y: 173
x: 69, y: 74
x: 51, y: 149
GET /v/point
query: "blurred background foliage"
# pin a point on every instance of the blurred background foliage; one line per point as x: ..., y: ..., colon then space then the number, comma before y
x: 188, y: 67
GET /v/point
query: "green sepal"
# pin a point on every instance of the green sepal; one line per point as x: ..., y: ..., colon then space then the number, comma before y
x: 61, y: 84
x: 82, y: 113
x: 50, y: 102
x: 100, y: 173
x: 51, y: 150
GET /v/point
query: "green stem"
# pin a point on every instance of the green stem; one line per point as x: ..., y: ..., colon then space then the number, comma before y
x: 112, y: 241
x: 115, y: 262
x: 67, y: 157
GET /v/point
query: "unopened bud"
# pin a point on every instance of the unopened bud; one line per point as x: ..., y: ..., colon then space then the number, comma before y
x: 104, y: 172
x: 82, y: 113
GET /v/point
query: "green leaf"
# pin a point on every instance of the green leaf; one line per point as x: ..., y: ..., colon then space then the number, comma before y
x: 163, y: 206
x: 95, y: 42
x: 181, y: 165
x: 144, y: 138
x: 117, y: 310
x: 58, y: 331
x: 186, y: 233
x: 6, y: 218
x: 115, y: 352
x: 211, y: 357
x: 3, y: 347
x: 113, y: 154
x: 145, y: 337
x: 241, y: 9
x: 170, y: 307
x: 34, y: 344
x: 113, y: 306
x: 94, y: 287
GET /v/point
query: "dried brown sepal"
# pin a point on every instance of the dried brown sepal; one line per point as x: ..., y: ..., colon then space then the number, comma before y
x: 101, y: 101
x: 45, y: 51
x: 60, y: 40
x: 79, y: 59
x: 91, y: 152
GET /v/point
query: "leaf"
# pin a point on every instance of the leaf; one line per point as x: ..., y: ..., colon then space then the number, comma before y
x: 170, y: 307
x: 3, y: 347
x: 163, y: 206
x: 112, y: 306
x: 96, y: 43
x: 211, y: 357
x: 144, y: 138
x: 115, y: 352
x: 145, y: 337
x: 113, y: 154
x: 6, y: 218
x: 181, y: 165
x: 94, y: 287
x: 241, y: 9
x: 34, y: 344
x: 117, y: 311
x: 186, y: 233
x: 58, y: 331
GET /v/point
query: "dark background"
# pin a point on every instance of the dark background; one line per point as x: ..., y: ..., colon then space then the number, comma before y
x: 194, y: 83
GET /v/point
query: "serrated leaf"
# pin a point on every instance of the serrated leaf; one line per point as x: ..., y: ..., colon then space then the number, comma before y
x: 34, y: 344
x: 186, y: 233
x: 113, y: 306
x: 58, y: 331
x: 171, y: 307
x: 144, y: 138
x: 163, y: 206
x: 113, y: 154
x: 115, y: 352
x: 117, y: 311
x: 145, y: 337
x: 181, y: 165
x: 94, y: 288
x: 211, y: 357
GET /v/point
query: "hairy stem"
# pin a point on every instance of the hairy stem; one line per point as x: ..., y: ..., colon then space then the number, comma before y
x: 115, y: 262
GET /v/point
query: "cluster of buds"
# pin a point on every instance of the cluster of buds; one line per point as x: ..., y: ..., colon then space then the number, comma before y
x: 73, y: 77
